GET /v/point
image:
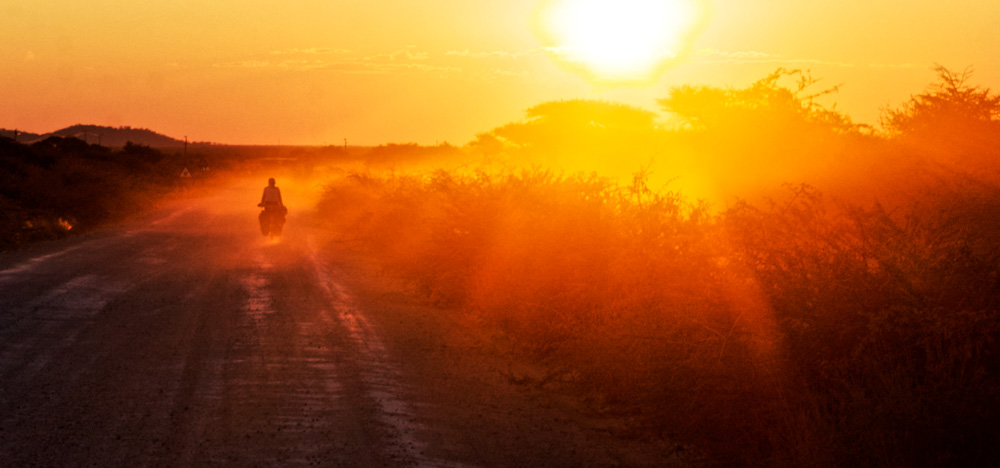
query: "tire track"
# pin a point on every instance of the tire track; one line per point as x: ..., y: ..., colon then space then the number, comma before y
x: 380, y: 375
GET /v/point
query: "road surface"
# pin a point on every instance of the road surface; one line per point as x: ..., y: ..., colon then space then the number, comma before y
x: 184, y: 338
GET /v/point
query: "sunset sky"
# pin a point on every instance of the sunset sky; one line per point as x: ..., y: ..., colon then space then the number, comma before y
x: 321, y: 71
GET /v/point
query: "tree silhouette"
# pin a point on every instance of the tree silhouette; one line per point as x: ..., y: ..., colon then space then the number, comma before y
x: 953, y: 123
x: 770, y: 132
x: 579, y: 135
x: 949, y: 107
x: 556, y: 124
x: 765, y: 106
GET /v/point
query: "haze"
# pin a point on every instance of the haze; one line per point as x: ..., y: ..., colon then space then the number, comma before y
x: 676, y: 233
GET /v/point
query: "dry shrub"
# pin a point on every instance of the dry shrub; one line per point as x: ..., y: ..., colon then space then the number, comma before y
x: 889, y: 322
x: 50, y: 185
x: 619, y: 290
x: 804, y: 332
x: 798, y: 332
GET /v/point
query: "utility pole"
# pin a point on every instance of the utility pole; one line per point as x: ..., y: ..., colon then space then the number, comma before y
x: 185, y: 147
x: 345, y: 143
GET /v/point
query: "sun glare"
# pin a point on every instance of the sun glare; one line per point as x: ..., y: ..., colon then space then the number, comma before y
x: 619, y: 40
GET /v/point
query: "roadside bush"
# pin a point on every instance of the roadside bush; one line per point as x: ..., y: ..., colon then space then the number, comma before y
x: 889, y: 322
x: 57, y: 185
x: 803, y: 332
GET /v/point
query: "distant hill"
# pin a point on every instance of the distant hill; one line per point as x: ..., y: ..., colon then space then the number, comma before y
x: 105, y: 136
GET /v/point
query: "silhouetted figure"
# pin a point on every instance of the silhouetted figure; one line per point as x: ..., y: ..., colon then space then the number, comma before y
x: 272, y: 218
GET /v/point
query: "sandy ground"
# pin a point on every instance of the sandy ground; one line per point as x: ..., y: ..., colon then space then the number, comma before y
x: 184, y: 338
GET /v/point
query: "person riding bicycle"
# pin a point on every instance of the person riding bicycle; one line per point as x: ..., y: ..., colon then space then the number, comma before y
x: 273, y: 217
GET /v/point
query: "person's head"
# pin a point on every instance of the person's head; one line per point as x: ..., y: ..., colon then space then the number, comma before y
x: 270, y: 182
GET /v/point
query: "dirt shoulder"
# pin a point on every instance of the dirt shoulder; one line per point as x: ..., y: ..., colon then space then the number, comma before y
x: 474, y: 402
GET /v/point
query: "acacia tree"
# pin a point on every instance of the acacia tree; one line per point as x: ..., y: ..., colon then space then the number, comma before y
x: 765, y: 106
x: 559, y: 123
x: 953, y: 124
x: 771, y: 132
x: 580, y: 135
x: 950, y: 107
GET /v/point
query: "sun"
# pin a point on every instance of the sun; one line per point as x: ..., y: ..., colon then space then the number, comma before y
x: 619, y: 40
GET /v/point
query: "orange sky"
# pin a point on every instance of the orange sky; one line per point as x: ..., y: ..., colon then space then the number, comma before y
x: 321, y: 71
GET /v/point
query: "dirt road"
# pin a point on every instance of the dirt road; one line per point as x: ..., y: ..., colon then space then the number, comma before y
x: 185, y: 339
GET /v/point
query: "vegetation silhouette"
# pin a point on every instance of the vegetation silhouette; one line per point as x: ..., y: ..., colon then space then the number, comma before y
x: 839, y: 308
x: 953, y: 124
x: 575, y: 135
x: 60, y: 185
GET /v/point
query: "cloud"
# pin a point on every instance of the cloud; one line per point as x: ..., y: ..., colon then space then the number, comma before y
x: 343, y: 61
x: 298, y: 65
x: 386, y: 68
x: 502, y: 54
x: 747, y: 55
x: 894, y: 65
x: 752, y: 56
x: 403, y: 54
x: 719, y: 56
x: 510, y: 73
x: 311, y: 51
x: 409, y: 59
x: 244, y: 64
